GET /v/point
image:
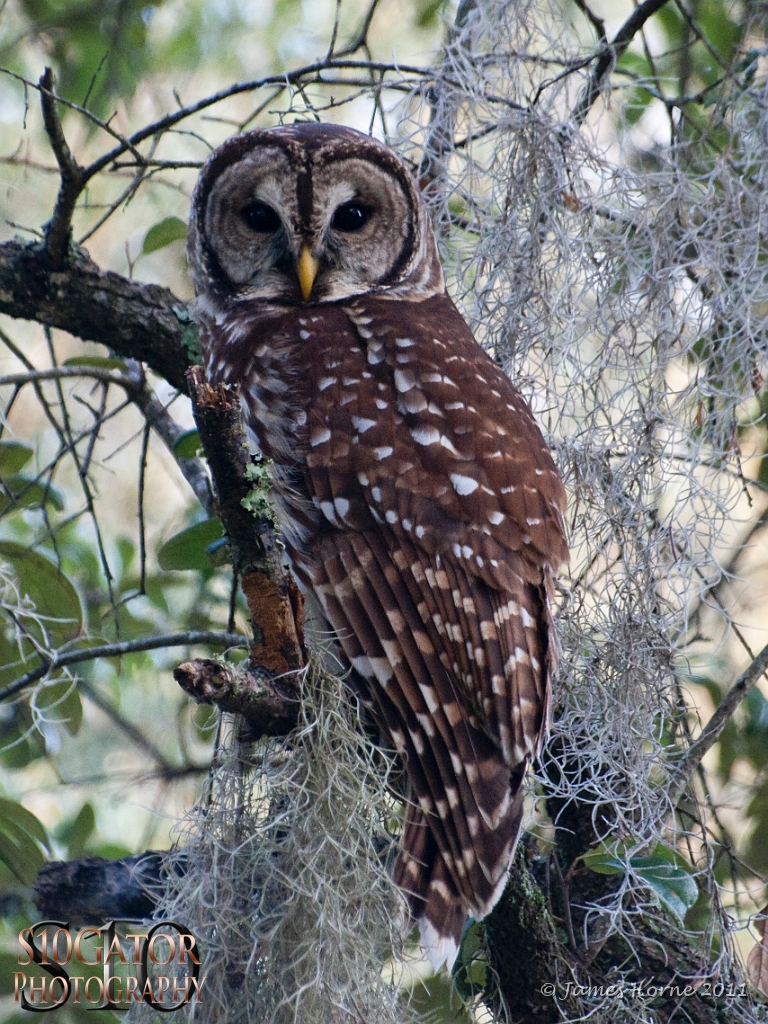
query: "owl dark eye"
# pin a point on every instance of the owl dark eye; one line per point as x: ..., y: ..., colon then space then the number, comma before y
x: 351, y: 217
x: 260, y: 217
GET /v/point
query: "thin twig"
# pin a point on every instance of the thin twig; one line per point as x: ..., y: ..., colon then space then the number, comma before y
x: 716, y: 724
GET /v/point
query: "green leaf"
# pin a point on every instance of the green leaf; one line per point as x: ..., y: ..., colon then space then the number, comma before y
x: 188, y: 445
x: 470, y: 969
x: 189, y: 549
x: 20, y: 853
x: 26, y: 492
x: 13, y: 455
x: 75, y: 834
x: 604, y: 860
x: 665, y: 872
x: 97, y: 362
x: 171, y: 229
x: 674, y: 886
x: 52, y: 593
x: 10, y: 810
x: 20, y: 834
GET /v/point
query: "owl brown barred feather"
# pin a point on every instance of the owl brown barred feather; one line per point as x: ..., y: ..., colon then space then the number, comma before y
x: 419, y: 504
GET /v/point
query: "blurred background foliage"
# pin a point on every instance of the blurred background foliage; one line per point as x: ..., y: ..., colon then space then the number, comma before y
x: 97, y: 525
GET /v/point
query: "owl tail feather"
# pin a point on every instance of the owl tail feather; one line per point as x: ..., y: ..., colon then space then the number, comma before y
x: 432, y: 893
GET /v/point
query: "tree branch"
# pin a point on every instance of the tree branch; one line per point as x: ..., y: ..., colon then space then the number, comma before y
x: 716, y: 724
x: 610, y: 54
x: 134, y: 320
x: 62, y: 659
x: 58, y: 233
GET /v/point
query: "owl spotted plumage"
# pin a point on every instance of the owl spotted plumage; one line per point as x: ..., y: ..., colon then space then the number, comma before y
x: 420, y: 506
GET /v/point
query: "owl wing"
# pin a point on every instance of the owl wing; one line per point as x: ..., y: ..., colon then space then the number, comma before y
x: 443, y: 521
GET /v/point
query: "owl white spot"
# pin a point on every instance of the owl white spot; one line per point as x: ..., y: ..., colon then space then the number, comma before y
x: 417, y: 740
x: 453, y: 406
x: 535, y: 663
x: 404, y: 342
x: 533, y: 522
x: 382, y: 669
x: 383, y: 453
x: 463, y: 484
x: 347, y: 397
x: 375, y: 357
x: 508, y: 490
x: 539, y: 472
x: 361, y: 664
x: 342, y: 506
x: 453, y: 796
x: 440, y: 949
x: 480, y: 561
x: 362, y: 424
x: 456, y: 762
x: 457, y: 550
x: 300, y: 418
x: 302, y: 323
x: 304, y: 335
x: 446, y: 443
x: 426, y: 724
x: 430, y: 697
x: 407, y: 525
x: 419, y: 531
x: 398, y: 739
x: 325, y: 382
x: 332, y: 364
x: 442, y: 810
x: 363, y: 479
x: 488, y: 630
x: 319, y: 435
x: 348, y: 382
x: 391, y: 516
x: 527, y: 620
x: 496, y: 518
x: 425, y: 435
x: 376, y: 493
x: 404, y: 380
x: 522, y: 657
x: 526, y: 538
x: 364, y: 332
x: 381, y: 404
x: 466, y: 551
x: 329, y: 511
x: 393, y: 651
x: 498, y: 685
x: 374, y: 512
x: 494, y: 455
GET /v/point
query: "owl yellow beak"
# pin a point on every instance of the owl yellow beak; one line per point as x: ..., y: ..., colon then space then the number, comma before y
x: 306, y: 271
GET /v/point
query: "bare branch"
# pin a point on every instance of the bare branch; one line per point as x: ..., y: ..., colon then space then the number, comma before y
x: 63, y: 659
x: 610, y: 54
x: 716, y: 724
x: 59, y: 230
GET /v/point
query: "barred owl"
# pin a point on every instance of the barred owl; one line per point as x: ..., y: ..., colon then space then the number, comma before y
x: 420, y: 507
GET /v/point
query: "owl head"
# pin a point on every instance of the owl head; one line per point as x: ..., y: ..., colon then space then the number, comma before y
x: 309, y: 213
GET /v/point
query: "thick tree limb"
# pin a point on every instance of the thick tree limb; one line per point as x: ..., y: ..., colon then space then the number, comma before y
x: 93, y: 890
x: 273, y: 599
x: 270, y: 705
x: 136, y: 321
